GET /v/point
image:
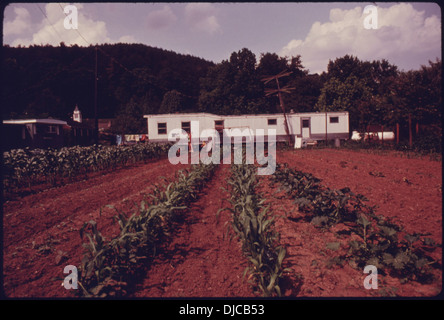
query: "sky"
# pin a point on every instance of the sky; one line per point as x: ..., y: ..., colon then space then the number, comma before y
x: 407, y: 34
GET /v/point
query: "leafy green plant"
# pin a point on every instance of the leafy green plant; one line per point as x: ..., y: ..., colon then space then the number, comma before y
x: 325, y: 207
x: 378, y: 242
x: 253, y: 224
x: 30, y: 167
x: 406, y: 258
x: 111, y: 267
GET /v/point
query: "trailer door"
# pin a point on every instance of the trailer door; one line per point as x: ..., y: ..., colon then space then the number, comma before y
x: 305, y: 125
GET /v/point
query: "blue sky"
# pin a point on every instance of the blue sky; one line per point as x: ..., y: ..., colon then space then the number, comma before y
x: 407, y: 35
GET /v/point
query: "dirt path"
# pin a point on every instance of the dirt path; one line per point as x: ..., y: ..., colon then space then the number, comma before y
x: 199, y: 261
x: 313, y: 274
x: 41, y: 231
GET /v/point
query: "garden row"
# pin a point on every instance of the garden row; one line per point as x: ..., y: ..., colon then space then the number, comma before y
x: 377, y: 240
x: 29, y: 167
x: 113, y: 267
x: 254, y: 226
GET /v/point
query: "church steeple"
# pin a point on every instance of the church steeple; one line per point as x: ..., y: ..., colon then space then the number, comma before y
x: 77, y: 115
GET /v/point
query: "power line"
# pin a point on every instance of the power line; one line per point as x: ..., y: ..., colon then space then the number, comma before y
x: 78, y: 32
x: 49, y: 21
x: 124, y: 67
x: 102, y: 51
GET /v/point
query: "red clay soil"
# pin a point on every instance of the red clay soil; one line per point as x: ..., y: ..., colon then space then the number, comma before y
x: 41, y: 231
x: 407, y: 190
x: 201, y: 261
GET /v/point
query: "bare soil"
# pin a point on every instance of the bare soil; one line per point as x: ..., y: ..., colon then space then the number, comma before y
x: 41, y: 231
x: 407, y: 190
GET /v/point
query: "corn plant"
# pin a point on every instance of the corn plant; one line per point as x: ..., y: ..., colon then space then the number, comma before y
x: 253, y: 224
x: 111, y: 267
x: 27, y: 168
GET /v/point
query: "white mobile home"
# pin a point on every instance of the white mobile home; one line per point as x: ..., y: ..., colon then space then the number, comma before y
x: 303, y: 127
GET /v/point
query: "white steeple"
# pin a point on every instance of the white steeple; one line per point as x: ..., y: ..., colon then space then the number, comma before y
x: 77, y: 116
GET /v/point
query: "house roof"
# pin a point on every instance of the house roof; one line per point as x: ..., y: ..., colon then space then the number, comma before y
x: 42, y: 121
x: 264, y: 115
x: 75, y: 124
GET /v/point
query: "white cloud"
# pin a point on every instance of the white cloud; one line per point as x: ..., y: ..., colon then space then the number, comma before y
x: 127, y: 39
x: 402, y: 30
x: 21, y: 23
x: 51, y: 29
x: 161, y: 18
x: 202, y: 17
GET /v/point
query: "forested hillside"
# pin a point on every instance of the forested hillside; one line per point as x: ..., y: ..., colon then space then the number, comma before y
x: 135, y: 79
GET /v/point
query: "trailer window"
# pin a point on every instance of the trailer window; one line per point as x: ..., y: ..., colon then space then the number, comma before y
x: 161, y: 128
x: 305, y: 123
x: 272, y: 122
x: 334, y: 119
x: 186, y: 126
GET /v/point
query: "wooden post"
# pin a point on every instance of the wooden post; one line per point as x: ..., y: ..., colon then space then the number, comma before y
x: 397, y: 133
x: 367, y: 128
x: 326, y: 137
x: 410, y: 131
x: 96, y: 120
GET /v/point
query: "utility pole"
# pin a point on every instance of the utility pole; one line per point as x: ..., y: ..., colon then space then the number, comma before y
x: 96, y: 120
x: 285, y: 89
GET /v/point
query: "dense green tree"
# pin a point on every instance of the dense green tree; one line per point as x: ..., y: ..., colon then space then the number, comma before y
x: 352, y: 95
x: 172, y: 102
x: 129, y: 120
x: 271, y: 64
x: 418, y: 93
x: 363, y: 88
x: 306, y: 93
x: 232, y: 86
x: 344, y: 67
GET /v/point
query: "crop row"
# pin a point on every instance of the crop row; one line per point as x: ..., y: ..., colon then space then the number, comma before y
x: 112, y: 267
x: 378, y: 242
x: 253, y: 224
x: 28, y: 167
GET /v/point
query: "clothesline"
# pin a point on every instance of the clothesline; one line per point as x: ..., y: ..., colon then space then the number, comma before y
x: 121, y: 139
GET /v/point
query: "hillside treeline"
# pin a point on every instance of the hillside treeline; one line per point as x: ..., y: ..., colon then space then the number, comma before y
x: 135, y: 79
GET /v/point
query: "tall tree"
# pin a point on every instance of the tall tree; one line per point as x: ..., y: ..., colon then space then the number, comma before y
x: 352, y: 95
x: 172, y: 102
x: 418, y: 93
x: 232, y: 86
x: 344, y: 67
x: 129, y: 120
x: 271, y: 64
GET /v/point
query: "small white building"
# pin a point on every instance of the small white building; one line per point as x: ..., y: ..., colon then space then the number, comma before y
x: 77, y: 115
x: 303, y: 127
